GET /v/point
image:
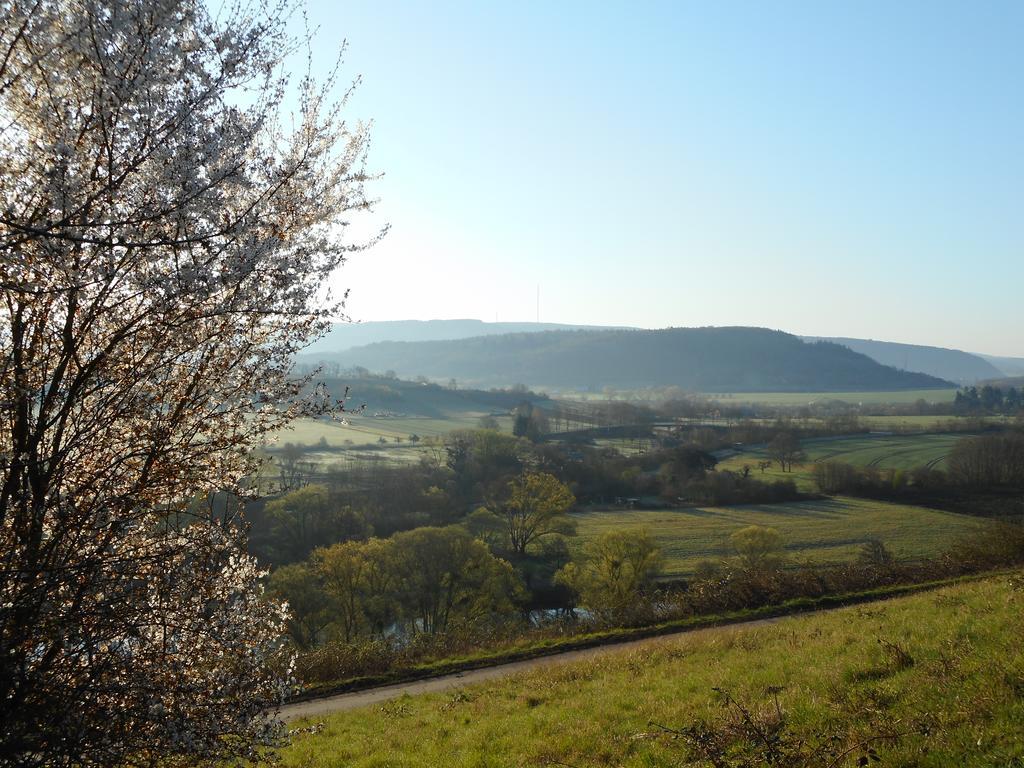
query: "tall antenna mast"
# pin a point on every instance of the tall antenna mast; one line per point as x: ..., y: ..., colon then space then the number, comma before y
x: 538, y: 302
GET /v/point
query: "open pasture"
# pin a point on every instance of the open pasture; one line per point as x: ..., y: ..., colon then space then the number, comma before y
x: 931, y: 422
x: 363, y: 438
x: 854, y: 398
x: 825, y: 531
x: 883, y: 451
x: 367, y: 429
x: 832, y: 673
x: 891, y: 397
x: 901, y: 396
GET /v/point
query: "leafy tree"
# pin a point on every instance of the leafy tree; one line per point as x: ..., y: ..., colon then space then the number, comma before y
x: 299, y: 587
x: 379, y: 583
x: 357, y: 579
x: 614, y: 572
x: 163, y: 241
x: 488, y: 527
x: 759, y: 548
x: 530, y: 422
x: 537, y: 506
x: 683, y: 466
x: 481, y: 461
x: 342, y: 568
x: 307, y: 518
x: 444, y: 575
x: 1013, y: 400
x: 991, y: 398
x: 967, y: 400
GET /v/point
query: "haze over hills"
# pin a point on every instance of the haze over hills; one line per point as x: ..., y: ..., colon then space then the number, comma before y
x: 952, y: 365
x: 343, y: 336
x: 1009, y: 366
x: 700, y: 359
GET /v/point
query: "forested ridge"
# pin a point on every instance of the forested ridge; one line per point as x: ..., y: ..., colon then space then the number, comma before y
x: 704, y: 359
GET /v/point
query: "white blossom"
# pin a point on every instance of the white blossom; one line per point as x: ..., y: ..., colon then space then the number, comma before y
x: 162, y: 245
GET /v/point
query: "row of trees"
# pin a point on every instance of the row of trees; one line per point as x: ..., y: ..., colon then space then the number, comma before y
x: 989, y: 461
x: 505, y: 483
x: 528, y: 508
x: 439, y: 580
x: 615, y: 578
x: 425, y: 580
x: 435, y: 581
x: 516, y: 523
x: 989, y: 400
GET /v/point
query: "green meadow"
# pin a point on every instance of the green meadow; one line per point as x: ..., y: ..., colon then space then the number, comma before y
x: 924, y: 422
x: 364, y: 429
x: 825, y: 531
x: 854, y: 398
x: 931, y: 680
x: 385, y: 411
x: 885, y: 452
x: 899, y: 452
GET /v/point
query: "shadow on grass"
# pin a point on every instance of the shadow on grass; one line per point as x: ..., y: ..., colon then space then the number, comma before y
x: 829, y: 509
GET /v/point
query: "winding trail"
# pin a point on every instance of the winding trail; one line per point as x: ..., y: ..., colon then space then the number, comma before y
x: 346, y: 701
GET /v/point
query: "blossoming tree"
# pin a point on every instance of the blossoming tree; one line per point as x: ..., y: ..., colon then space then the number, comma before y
x: 163, y: 242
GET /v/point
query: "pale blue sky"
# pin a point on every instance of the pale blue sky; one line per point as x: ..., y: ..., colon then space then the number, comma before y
x: 846, y: 169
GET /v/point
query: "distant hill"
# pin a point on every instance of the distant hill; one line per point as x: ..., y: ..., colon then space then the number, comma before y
x: 950, y: 364
x: 1009, y: 366
x: 700, y: 359
x: 953, y: 365
x: 343, y: 336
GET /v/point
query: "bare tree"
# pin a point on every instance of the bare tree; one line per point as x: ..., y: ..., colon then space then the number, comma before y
x: 785, y: 449
x: 290, y: 466
x: 163, y: 241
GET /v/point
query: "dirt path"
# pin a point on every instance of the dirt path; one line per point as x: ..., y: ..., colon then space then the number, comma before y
x: 346, y: 701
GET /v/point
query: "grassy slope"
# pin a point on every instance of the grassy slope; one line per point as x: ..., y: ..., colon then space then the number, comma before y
x: 967, y: 674
x: 881, y: 451
x: 830, y: 530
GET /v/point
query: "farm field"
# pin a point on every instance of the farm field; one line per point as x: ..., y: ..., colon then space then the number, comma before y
x: 886, y: 452
x: 810, y: 398
x: 826, y: 531
x: 366, y: 429
x: 627, y: 446
x: 901, y: 452
x: 390, y: 411
x: 839, y: 672
x: 900, y: 396
x: 366, y: 438
x: 923, y: 422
